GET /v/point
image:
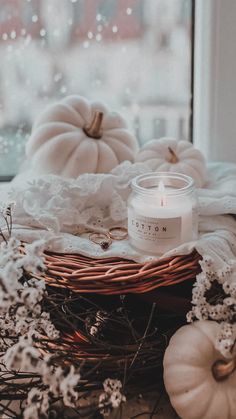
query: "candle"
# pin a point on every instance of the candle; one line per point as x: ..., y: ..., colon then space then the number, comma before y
x: 160, y: 212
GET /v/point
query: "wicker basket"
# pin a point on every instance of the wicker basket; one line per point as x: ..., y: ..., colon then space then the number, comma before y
x: 78, y: 285
x: 114, y: 276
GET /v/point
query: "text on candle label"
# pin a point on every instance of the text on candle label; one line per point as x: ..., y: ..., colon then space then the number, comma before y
x: 153, y: 229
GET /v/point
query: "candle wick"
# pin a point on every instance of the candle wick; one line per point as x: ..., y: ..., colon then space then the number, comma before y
x: 161, y: 189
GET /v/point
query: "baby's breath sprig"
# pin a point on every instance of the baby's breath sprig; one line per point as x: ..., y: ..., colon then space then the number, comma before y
x: 6, y: 213
x: 214, y: 298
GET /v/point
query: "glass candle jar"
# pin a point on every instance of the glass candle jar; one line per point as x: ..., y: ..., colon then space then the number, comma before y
x: 162, y: 212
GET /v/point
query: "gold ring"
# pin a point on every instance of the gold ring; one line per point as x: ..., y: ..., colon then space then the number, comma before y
x: 103, y: 239
x: 118, y: 233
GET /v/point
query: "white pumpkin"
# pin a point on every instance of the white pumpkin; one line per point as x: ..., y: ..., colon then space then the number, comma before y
x: 169, y: 155
x: 74, y: 136
x: 200, y: 382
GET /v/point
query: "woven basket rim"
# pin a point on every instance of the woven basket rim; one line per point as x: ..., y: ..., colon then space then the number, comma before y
x: 112, y: 276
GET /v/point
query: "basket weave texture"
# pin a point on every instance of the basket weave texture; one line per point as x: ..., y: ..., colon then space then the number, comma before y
x: 114, y: 296
x: 114, y: 276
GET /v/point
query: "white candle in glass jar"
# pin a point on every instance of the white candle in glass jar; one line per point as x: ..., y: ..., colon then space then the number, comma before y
x: 160, y: 212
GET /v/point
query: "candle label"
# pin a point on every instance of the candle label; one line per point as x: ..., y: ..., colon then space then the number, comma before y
x: 153, y: 229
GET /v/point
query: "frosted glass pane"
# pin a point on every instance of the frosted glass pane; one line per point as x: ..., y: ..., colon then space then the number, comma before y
x: 135, y: 55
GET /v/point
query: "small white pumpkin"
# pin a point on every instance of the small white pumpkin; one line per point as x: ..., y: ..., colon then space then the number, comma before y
x: 74, y: 136
x: 169, y: 155
x: 200, y: 382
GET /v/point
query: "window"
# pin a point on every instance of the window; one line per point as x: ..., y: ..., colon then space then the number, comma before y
x: 214, y: 79
x: 135, y: 55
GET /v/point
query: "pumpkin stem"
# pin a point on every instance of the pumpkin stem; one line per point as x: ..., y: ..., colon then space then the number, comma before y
x: 173, y: 158
x: 94, y: 130
x: 222, y: 369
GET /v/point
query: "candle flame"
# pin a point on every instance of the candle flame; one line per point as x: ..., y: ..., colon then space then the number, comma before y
x: 161, y: 190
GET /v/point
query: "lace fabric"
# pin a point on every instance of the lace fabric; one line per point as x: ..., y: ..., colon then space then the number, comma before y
x: 59, y: 210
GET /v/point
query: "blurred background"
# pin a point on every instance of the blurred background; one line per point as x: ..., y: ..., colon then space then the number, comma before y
x: 135, y: 55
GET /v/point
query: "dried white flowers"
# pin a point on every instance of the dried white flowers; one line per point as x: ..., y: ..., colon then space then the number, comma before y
x: 20, y: 299
x: 112, y: 397
x: 214, y: 298
x: 25, y: 323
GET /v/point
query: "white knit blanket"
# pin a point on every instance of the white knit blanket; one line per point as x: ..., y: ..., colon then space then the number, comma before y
x: 57, y: 209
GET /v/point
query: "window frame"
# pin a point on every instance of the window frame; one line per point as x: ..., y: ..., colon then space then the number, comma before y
x: 213, y: 87
x: 214, y: 122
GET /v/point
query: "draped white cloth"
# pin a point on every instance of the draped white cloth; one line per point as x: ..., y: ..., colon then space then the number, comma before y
x: 58, y: 210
